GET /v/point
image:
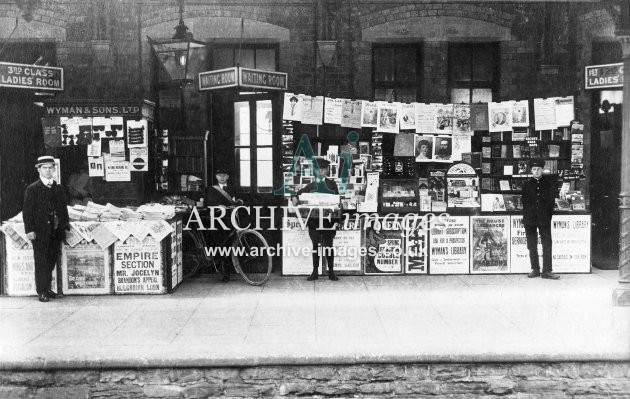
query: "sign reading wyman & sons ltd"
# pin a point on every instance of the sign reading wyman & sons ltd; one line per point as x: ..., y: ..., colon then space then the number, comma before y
x: 127, y: 108
x: 242, y: 77
x: 27, y: 76
x: 603, y: 76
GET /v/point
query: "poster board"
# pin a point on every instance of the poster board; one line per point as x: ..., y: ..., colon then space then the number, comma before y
x: 347, y: 244
x: 384, y: 247
x: 416, y: 246
x: 138, y: 266
x: 175, y: 241
x: 296, y: 249
x: 571, y: 243
x: 489, y: 243
x: 85, y: 269
x: 450, y: 246
x: 519, y: 254
x: 19, y: 270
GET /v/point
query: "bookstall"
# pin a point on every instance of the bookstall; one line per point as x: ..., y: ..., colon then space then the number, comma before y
x: 458, y: 167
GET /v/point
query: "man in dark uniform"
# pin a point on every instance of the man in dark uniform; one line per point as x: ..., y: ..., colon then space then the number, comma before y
x: 45, y: 221
x: 322, y: 239
x: 538, y: 200
x: 221, y: 194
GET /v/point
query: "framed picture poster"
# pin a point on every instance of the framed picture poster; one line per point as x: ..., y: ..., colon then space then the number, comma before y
x: 85, y: 269
x: 490, y: 249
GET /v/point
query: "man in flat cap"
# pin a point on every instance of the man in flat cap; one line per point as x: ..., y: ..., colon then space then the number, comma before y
x: 538, y: 200
x: 322, y: 239
x: 221, y: 194
x: 45, y: 222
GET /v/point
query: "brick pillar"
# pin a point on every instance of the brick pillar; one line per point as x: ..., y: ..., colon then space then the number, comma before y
x: 621, y: 295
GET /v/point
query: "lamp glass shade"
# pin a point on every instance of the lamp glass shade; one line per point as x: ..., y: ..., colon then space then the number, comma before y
x: 181, y: 59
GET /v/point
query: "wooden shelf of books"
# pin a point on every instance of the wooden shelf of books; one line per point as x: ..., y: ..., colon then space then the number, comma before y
x: 506, y: 157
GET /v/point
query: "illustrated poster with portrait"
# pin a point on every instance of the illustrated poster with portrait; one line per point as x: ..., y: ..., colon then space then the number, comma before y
x: 388, y: 117
x: 443, y: 149
x: 443, y: 123
x: 384, y: 248
x: 520, y: 113
x: 490, y: 249
x: 500, y: 116
x: 423, y: 147
x: 292, y: 110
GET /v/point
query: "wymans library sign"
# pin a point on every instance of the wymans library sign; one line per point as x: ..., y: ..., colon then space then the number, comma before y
x: 604, y: 76
x: 34, y: 77
x: 242, y: 77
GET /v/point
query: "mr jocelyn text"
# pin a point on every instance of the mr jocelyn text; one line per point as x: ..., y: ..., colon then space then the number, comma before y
x: 219, y: 219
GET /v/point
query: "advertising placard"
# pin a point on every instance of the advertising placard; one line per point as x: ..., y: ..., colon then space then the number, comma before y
x: 19, y: 268
x: 519, y: 254
x: 416, y: 244
x: 138, y: 267
x: 490, y: 250
x: 347, y: 244
x: 296, y: 249
x: 450, y: 246
x: 384, y: 245
x: 85, y: 269
x: 571, y: 243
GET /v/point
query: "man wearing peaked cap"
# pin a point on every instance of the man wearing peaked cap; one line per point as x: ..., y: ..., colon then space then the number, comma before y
x: 321, y: 238
x: 539, y: 195
x: 221, y: 194
x: 45, y: 222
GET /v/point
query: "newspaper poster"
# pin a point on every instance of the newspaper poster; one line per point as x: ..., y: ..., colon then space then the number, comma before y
x: 96, y: 168
x: 347, y: 244
x: 571, y: 243
x: 520, y: 113
x: 519, y: 254
x: 138, y: 267
x: 139, y: 159
x: 19, y: 270
x: 85, y: 269
x: 369, y: 110
x: 425, y: 115
x: 545, y: 113
x: 384, y: 246
x: 292, y: 110
x: 490, y: 250
x: 351, y: 113
x: 117, y: 171
x: 312, y: 110
x: 461, y: 119
x: 415, y: 255
x: 137, y: 133
x: 388, y: 117
x: 94, y: 148
x: 449, y: 249
x: 407, y: 116
x: 500, y: 116
x: 564, y: 111
x: 296, y: 249
x: 443, y: 123
x: 332, y: 110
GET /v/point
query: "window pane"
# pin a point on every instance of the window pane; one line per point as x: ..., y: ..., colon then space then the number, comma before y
x: 223, y: 58
x: 247, y: 57
x: 459, y: 96
x: 482, y: 95
x: 483, y: 64
x: 384, y: 64
x: 613, y: 96
x: 405, y: 68
x: 243, y: 162
x: 264, y: 126
x: 241, y: 123
x: 264, y: 165
x: 459, y: 63
x: 266, y: 59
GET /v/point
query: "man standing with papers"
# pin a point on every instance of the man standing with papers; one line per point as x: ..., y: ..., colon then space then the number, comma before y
x: 45, y: 222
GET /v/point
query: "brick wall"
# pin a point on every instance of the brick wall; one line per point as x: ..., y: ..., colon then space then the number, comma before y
x: 505, y: 380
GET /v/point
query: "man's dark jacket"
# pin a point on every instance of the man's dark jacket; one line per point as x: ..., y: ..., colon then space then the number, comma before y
x: 214, y: 197
x: 538, y: 201
x: 39, y: 202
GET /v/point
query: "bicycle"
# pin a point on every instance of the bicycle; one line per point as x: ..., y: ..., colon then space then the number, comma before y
x: 250, y: 255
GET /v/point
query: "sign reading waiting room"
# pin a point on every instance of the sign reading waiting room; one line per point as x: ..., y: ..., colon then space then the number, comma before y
x: 27, y: 76
x: 242, y: 77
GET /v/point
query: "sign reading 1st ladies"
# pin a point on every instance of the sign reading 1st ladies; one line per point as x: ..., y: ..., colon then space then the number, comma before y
x: 27, y: 76
x: 604, y: 76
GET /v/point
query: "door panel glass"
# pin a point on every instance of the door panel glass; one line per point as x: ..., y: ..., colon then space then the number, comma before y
x: 264, y: 126
x: 243, y: 160
x: 241, y: 124
x: 459, y: 96
x: 482, y: 95
x: 266, y: 59
x: 264, y: 171
x: 222, y: 58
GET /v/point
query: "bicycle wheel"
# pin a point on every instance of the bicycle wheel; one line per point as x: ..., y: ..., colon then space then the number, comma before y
x: 251, y: 257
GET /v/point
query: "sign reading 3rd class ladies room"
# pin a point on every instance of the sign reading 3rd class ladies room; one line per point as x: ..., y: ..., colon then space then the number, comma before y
x: 34, y: 77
